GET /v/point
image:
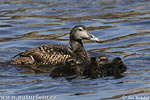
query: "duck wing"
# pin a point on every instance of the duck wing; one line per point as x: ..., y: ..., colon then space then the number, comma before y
x: 52, y: 54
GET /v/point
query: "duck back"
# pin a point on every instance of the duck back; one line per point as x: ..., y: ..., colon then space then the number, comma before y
x: 52, y: 54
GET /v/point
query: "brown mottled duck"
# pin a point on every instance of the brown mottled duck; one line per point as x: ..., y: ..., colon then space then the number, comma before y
x: 56, y: 54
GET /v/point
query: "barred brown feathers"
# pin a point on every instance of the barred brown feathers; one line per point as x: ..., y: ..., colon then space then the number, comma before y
x: 52, y: 54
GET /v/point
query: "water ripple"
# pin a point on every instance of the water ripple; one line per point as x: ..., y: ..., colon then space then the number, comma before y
x: 121, y: 25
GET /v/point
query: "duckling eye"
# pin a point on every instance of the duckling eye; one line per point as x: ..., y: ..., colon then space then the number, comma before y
x: 80, y: 29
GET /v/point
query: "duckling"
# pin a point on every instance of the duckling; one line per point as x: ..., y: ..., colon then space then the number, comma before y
x: 57, y: 54
x: 98, y: 67
x: 102, y: 67
x: 113, y: 68
x: 71, y: 68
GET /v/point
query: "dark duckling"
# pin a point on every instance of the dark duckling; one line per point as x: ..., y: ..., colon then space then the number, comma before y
x: 71, y: 68
x: 98, y: 67
x: 113, y: 68
x: 56, y: 54
x: 103, y: 67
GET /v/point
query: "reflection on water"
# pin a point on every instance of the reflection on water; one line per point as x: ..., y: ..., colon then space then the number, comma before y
x: 121, y: 25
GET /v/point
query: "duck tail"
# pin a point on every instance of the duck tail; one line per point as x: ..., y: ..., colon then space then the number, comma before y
x: 15, y: 56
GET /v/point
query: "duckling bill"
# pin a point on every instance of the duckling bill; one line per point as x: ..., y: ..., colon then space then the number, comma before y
x: 56, y: 54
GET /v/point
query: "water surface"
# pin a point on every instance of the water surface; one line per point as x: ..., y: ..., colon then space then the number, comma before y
x: 121, y: 25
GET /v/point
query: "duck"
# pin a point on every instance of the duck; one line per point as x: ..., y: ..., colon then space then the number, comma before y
x: 98, y: 67
x: 68, y: 61
x: 103, y: 67
x: 58, y: 54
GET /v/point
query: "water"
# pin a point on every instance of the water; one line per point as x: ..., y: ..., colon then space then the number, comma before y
x: 121, y: 25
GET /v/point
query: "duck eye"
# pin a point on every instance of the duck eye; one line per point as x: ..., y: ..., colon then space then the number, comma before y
x: 80, y: 29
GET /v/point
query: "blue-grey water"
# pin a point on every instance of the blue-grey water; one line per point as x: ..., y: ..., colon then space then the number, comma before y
x: 123, y: 27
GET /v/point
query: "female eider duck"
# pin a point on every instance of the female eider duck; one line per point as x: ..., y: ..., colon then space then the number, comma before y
x: 56, y: 54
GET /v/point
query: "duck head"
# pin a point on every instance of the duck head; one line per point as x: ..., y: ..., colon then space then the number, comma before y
x: 80, y: 32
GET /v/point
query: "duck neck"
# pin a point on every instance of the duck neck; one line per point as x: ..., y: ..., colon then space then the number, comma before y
x: 78, y: 49
x: 76, y: 45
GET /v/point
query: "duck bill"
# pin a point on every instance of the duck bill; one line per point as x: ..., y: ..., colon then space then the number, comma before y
x: 93, y: 38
